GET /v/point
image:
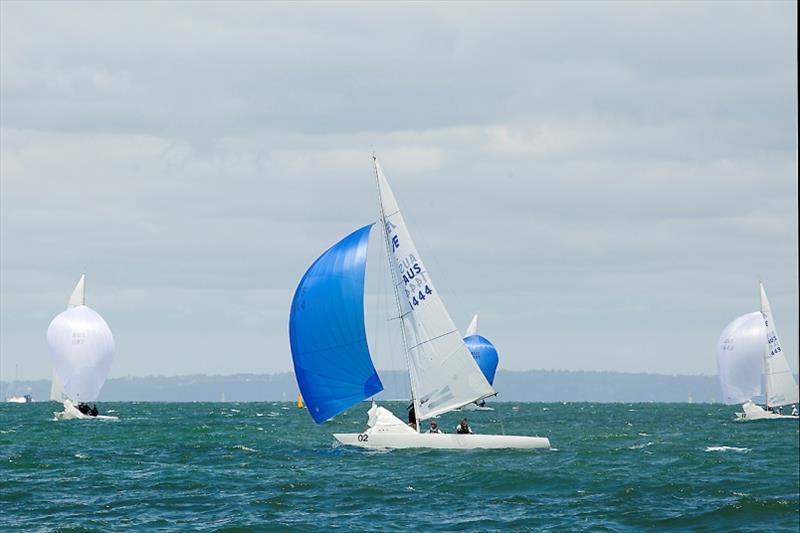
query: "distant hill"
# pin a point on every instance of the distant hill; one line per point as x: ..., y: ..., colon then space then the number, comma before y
x: 523, y: 386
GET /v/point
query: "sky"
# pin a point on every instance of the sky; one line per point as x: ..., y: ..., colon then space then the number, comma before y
x: 605, y: 183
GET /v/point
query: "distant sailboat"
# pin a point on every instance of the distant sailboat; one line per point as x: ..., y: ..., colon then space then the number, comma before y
x: 752, y: 364
x: 17, y: 398
x: 82, y: 349
x: 485, y: 355
x: 331, y: 356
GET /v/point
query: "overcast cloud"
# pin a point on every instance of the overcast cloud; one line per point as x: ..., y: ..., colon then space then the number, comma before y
x: 605, y: 183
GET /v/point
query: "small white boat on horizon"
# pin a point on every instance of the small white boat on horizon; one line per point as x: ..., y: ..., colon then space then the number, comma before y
x: 25, y: 398
x: 15, y: 397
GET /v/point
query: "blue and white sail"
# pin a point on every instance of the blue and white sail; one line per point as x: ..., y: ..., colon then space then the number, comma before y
x: 331, y: 357
x: 483, y: 351
x: 443, y: 374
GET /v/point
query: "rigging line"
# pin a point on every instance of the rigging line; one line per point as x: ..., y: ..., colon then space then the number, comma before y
x: 399, y: 317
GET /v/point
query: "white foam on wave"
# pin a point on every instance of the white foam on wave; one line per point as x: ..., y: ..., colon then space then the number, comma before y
x: 244, y: 448
x: 727, y: 449
x: 81, y: 456
x: 640, y: 446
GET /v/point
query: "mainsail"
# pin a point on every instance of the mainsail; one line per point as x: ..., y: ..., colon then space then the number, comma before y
x: 779, y: 383
x: 443, y: 373
x: 82, y: 348
x: 326, y: 330
x: 740, y: 354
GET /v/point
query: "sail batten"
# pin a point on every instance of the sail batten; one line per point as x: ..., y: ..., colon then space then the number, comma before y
x: 328, y: 339
x: 433, y: 339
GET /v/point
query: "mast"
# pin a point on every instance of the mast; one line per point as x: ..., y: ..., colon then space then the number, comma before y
x: 393, y: 274
x: 765, y: 363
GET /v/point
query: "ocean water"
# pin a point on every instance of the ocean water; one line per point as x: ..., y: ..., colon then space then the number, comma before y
x: 268, y: 467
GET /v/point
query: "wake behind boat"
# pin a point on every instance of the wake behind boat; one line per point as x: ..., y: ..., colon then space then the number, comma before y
x: 331, y: 356
x: 752, y: 364
x: 82, y: 349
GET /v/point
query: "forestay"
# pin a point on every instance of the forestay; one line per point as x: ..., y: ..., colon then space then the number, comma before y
x: 443, y: 373
x: 781, y: 387
x: 326, y: 330
x: 740, y: 353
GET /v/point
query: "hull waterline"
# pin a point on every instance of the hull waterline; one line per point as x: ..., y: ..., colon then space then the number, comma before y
x: 443, y: 441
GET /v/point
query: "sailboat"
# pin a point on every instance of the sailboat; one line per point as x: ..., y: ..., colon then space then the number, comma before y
x: 82, y: 349
x: 752, y: 364
x: 24, y: 398
x: 331, y: 356
x: 485, y: 355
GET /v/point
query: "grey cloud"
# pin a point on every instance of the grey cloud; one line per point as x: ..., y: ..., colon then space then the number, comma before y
x: 605, y: 183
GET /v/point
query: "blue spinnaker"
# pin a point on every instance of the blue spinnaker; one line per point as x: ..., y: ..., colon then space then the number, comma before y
x: 326, y: 330
x: 484, y: 354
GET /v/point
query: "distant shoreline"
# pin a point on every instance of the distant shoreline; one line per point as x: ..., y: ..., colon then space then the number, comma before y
x: 515, y: 386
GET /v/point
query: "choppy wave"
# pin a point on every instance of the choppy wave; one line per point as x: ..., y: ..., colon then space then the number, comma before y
x: 200, y: 466
x: 727, y: 449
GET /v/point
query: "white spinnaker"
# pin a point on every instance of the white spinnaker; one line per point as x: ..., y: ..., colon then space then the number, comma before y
x: 444, y: 375
x: 781, y: 387
x: 472, y: 329
x: 740, y: 355
x: 82, y: 349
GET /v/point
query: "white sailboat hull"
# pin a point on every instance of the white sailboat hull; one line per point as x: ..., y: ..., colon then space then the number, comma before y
x: 756, y: 412
x: 71, y: 412
x: 19, y: 399
x: 445, y: 441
